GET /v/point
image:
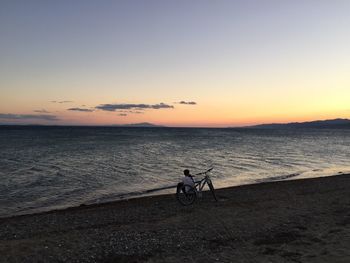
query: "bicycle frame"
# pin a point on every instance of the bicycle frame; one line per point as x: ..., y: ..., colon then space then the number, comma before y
x: 199, y: 185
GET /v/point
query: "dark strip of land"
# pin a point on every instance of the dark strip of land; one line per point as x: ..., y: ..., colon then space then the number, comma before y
x: 291, y: 221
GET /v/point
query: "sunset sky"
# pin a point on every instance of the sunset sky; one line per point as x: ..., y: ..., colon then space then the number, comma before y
x: 176, y: 63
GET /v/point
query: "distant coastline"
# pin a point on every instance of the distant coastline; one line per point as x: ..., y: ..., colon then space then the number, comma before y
x: 141, y: 124
x: 131, y: 125
x: 335, y: 123
x: 322, y: 124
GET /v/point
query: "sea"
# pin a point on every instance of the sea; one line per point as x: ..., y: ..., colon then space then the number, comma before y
x: 44, y: 168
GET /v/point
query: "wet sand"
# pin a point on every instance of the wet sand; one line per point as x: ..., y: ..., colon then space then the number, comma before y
x: 291, y: 221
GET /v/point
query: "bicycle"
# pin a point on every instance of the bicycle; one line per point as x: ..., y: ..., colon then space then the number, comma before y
x: 187, y: 194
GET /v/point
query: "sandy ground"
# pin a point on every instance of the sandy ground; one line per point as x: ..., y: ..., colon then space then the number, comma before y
x: 291, y: 221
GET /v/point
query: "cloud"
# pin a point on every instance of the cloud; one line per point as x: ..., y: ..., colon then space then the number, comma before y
x: 45, y: 117
x: 62, y: 101
x: 41, y: 111
x: 141, y: 111
x: 187, y: 102
x: 115, y: 107
x: 80, y: 109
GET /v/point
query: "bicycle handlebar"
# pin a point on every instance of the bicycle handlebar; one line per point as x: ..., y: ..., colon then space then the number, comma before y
x: 207, y: 171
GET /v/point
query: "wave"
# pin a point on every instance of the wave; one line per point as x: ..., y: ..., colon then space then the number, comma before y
x: 277, y: 178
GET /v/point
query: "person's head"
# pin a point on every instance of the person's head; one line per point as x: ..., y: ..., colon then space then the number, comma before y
x: 186, y: 172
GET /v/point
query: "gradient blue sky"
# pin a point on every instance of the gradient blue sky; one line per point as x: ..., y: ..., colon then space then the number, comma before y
x: 242, y: 62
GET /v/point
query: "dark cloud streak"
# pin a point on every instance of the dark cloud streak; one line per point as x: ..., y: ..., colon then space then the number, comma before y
x: 80, y: 109
x: 62, y: 101
x: 42, y: 111
x: 115, y: 107
x: 187, y: 102
x: 45, y: 117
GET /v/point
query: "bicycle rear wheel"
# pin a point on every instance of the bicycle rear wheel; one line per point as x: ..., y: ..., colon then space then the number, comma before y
x: 211, y: 187
x: 185, y: 194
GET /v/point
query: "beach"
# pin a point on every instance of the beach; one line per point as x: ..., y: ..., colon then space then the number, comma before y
x: 305, y: 220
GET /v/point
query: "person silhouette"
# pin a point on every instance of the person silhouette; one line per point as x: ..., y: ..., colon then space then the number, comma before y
x: 188, y: 179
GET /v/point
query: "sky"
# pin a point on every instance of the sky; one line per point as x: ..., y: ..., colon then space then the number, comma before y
x: 175, y: 63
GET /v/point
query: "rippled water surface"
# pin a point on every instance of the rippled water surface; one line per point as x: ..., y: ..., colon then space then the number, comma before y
x: 43, y: 168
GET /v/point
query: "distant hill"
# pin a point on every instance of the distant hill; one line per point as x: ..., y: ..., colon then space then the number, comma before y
x: 141, y: 124
x: 336, y: 123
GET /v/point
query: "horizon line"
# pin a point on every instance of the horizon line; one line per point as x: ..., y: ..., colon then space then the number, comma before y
x: 152, y: 125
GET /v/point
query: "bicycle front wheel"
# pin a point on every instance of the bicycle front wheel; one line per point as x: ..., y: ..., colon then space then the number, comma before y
x: 186, y: 194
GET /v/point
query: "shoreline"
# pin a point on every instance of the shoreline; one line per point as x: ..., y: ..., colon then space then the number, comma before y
x: 302, y: 220
x: 149, y: 194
